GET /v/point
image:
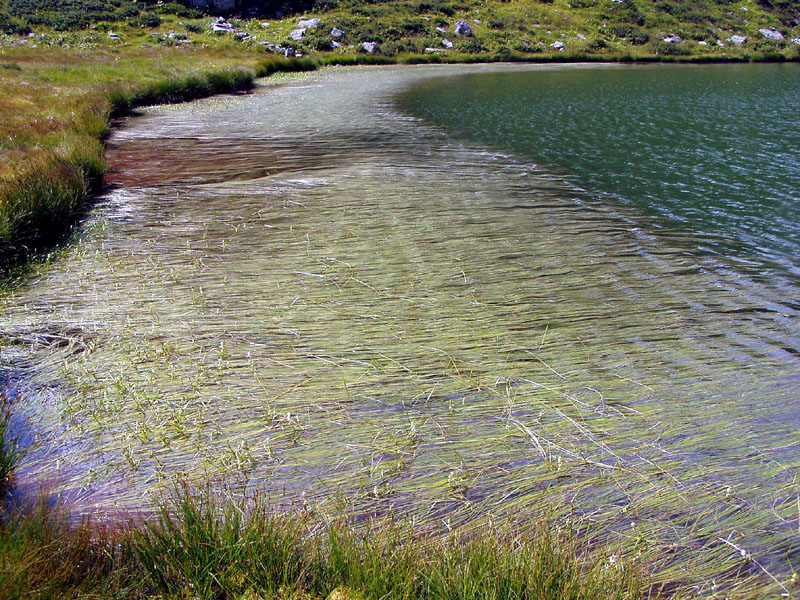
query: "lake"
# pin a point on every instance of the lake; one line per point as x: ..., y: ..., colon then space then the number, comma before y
x: 450, y: 294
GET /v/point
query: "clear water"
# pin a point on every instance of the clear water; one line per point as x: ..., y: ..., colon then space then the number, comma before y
x: 709, y: 153
x: 310, y: 293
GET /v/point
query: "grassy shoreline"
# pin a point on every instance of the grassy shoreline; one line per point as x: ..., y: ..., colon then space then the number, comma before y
x: 51, y: 171
x: 51, y: 176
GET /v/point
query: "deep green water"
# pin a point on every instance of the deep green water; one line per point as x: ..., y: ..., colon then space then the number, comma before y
x: 708, y: 154
x: 307, y: 294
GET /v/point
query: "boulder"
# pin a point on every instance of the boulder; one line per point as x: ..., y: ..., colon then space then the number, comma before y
x: 463, y: 28
x: 557, y: 45
x: 309, y: 23
x: 335, y: 44
x: 796, y: 40
x: 672, y: 39
x: 737, y: 40
x: 113, y: 36
x: 336, y: 33
x: 221, y: 26
x: 441, y: 30
x: 447, y: 43
x: 369, y: 47
x: 297, y: 34
x: 772, y: 34
x: 289, y: 52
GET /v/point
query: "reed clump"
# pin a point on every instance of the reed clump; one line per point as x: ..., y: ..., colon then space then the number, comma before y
x: 243, y: 549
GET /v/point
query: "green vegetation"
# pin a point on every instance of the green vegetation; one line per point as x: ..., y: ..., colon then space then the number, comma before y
x: 213, y: 549
x: 90, y: 61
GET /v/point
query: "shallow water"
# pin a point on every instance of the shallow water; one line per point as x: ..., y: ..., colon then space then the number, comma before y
x: 321, y: 298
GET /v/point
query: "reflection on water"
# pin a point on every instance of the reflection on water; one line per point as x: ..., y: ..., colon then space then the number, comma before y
x: 322, y: 298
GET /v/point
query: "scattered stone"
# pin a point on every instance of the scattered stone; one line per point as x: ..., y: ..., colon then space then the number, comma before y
x: 476, y: 21
x: 581, y: 36
x: 720, y: 43
x: 441, y: 30
x: 222, y: 26
x: 737, y: 40
x: 297, y: 34
x: 672, y: 39
x: 113, y: 36
x: 370, y: 47
x: 335, y: 44
x: 772, y: 34
x: 702, y: 43
x: 796, y: 40
x: 463, y: 28
x: 336, y: 33
x: 265, y: 24
x: 289, y: 52
x: 309, y: 23
x: 435, y: 50
x: 447, y: 43
x: 557, y: 45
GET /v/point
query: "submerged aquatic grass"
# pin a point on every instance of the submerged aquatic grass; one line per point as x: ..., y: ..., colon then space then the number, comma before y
x: 344, y: 321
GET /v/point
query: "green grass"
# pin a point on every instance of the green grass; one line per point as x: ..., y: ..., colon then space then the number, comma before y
x: 208, y: 548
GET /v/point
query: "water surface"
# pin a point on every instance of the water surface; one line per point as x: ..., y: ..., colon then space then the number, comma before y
x: 313, y: 295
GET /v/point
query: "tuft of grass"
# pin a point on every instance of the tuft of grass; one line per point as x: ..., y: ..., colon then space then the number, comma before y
x: 45, y: 556
x: 8, y: 450
x: 225, y: 549
x: 234, y: 549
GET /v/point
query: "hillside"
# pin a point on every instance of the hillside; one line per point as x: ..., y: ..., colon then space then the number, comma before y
x: 554, y: 28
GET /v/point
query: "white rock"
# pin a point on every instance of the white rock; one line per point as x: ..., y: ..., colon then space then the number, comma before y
x: 701, y: 43
x: 581, y: 36
x: 772, y: 34
x: 463, y: 28
x: 447, y: 43
x: 297, y: 34
x: 557, y: 45
x: 672, y: 39
x: 309, y: 23
x: 796, y: 41
x: 737, y: 40
x: 369, y: 47
x: 336, y: 33
x: 441, y: 30
x: 265, y: 24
